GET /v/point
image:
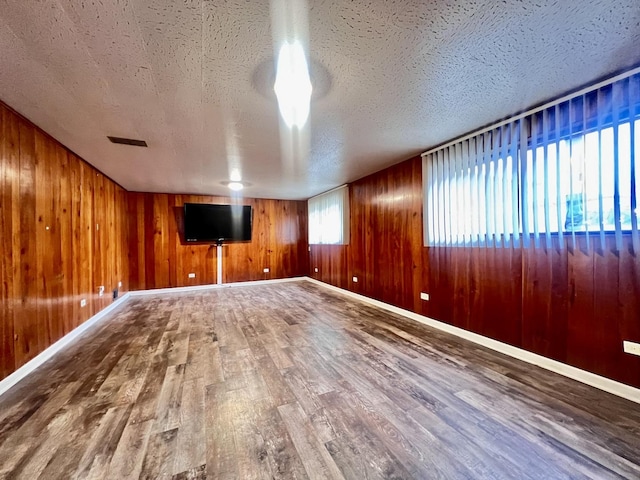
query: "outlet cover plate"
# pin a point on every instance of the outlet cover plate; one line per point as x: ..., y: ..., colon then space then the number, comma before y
x: 355, y: 279
x: 192, y: 275
x: 631, y: 347
x: 424, y: 296
x: 265, y: 270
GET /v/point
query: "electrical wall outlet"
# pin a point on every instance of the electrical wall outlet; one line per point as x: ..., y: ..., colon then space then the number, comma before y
x: 83, y: 303
x: 265, y: 270
x: 631, y: 347
x: 192, y: 275
x: 119, y: 284
x: 355, y: 279
x: 424, y: 296
x: 101, y: 290
x: 315, y: 269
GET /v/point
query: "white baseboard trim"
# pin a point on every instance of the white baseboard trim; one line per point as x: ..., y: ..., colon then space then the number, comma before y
x: 11, y: 380
x: 8, y: 382
x: 213, y: 286
x: 588, y: 378
x: 592, y: 379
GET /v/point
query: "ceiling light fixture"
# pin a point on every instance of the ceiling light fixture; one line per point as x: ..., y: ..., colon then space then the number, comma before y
x: 293, y: 86
x: 235, y: 186
x: 235, y: 175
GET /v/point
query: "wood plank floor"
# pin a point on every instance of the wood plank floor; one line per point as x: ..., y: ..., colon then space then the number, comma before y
x: 293, y: 381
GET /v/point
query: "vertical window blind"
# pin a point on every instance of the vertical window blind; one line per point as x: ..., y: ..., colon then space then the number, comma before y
x: 329, y: 217
x: 566, y: 169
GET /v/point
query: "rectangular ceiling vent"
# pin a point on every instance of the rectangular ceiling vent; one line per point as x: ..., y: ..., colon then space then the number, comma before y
x: 128, y: 141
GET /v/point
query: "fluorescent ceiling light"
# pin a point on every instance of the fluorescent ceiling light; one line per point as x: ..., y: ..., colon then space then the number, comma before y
x: 293, y: 86
x: 235, y: 186
x: 235, y: 175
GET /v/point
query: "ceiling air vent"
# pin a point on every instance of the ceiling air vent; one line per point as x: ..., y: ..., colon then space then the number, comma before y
x: 128, y: 141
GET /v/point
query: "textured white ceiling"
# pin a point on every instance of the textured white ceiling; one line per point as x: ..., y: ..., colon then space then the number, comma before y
x: 192, y: 78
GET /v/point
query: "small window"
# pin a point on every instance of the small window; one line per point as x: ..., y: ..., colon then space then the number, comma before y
x: 566, y: 169
x: 329, y: 217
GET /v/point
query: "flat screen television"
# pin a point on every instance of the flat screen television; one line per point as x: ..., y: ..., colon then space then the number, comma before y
x: 207, y: 223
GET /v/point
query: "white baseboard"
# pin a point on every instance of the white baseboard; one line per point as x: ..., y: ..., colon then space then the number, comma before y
x: 588, y: 378
x: 213, y: 286
x: 592, y: 379
x: 42, y: 357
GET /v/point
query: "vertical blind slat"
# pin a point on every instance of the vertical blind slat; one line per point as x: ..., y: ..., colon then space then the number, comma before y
x: 545, y: 142
x: 445, y: 186
x: 491, y: 176
x: 476, y: 180
x: 448, y: 229
x: 486, y: 174
x: 482, y: 218
x: 534, y: 176
x: 459, y: 193
x: 434, y: 201
x: 585, y: 174
x: 495, y: 192
x: 600, y: 113
x: 441, y: 212
x: 523, y: 182
x: 468, y: 241
x: 635, y: 241
x: 491, y: 190
x: 617, y: 96
x: 453, y: 204
x: 570, y: 203
x: 514, y: 183
x: 476, y: 194
x: 505, y: 188
x: 558, y: 178
x: 427, y: 186
x: 436, y: 196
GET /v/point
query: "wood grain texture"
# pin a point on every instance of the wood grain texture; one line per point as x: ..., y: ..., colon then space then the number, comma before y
x: 52, y: 254
x: 160, y: 258
x: 356, y: 392
x: 575, y: 306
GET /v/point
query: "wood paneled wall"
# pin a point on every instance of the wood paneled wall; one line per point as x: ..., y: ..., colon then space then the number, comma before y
x: 63, y: 233
x: 65, y: 229
x: 571, y: 306
x: 159, y: 258
x: 385, y: 250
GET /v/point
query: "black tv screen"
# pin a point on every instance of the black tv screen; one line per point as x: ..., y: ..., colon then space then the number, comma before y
x: 217, y: 223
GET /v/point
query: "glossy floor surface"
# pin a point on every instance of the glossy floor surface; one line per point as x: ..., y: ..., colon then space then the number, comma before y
x: 291, y: 380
